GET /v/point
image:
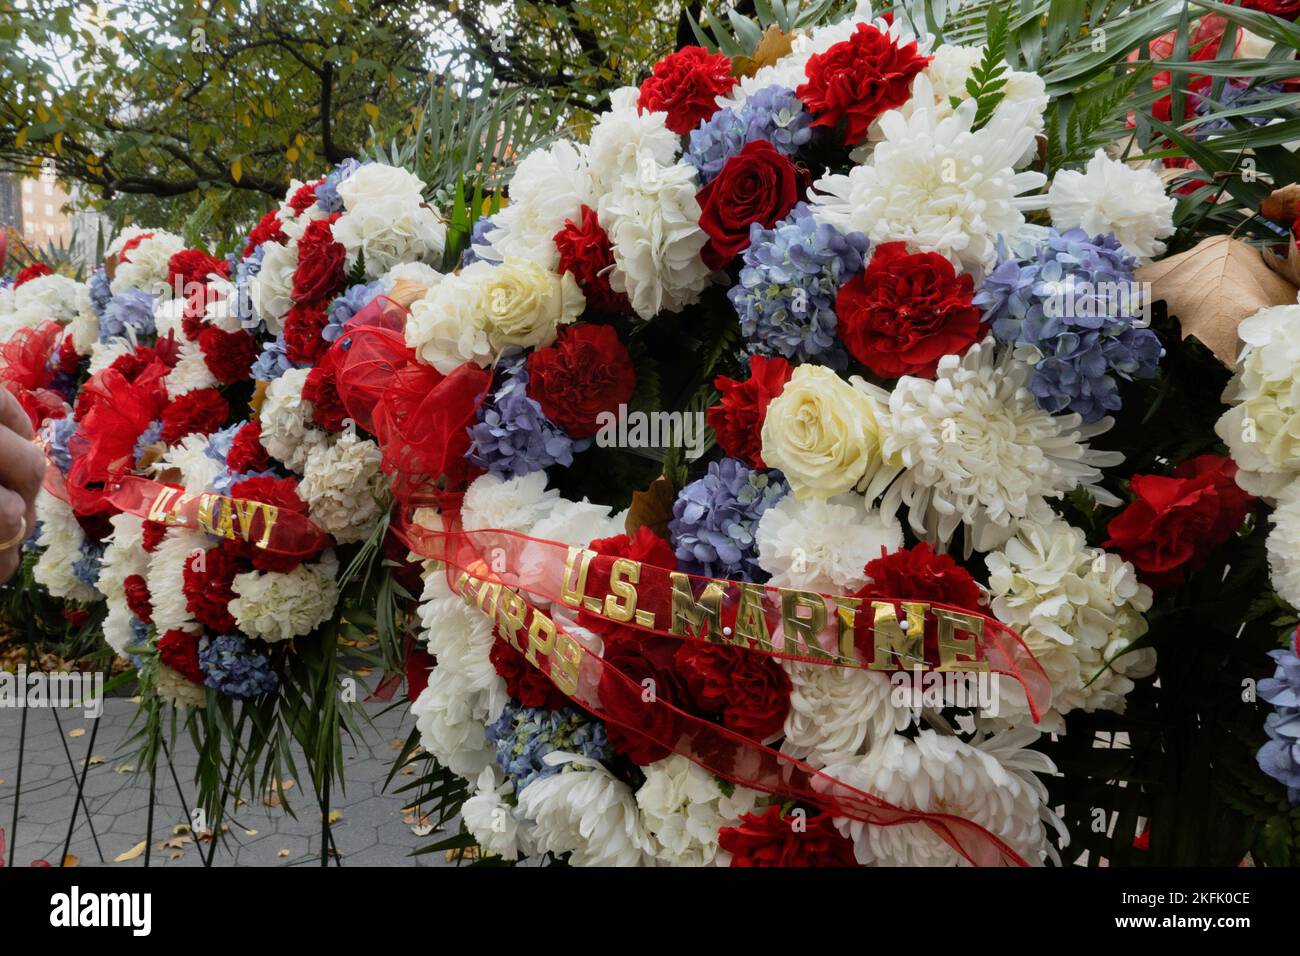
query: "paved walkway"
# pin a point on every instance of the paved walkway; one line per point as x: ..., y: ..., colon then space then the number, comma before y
x: 373, y: 830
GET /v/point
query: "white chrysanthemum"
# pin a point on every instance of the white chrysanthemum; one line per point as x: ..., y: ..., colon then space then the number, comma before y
x: 838, y: 712
x: 1111, y: 196
x: 1077, y: 609
x: 1262, y: 429
x: 166, y: 578
x: 514, y: 504
x: 578, y: 522
x: 941, y: 774
x: 496, y: 825
x: 124, y: 555
x: 270, y: 290
x: 147, y: 269
x: 345, y: 490
x: 104, y: 354
x: 979, y: 452
x: 190, y: 458
x: 451, y: 723
x: 652, y: 219
x: 178, y: 691
x: 288, y: 431
x: 84, y: 327
x: 169, y: 319
x: 549, y: 186
x: 50, y: 298
x: 624, y: 139
x: 823, y: 545
x: 60, y: 542
x: 683, y: 807
x: 190, y: 372
x: 586, y: 811
x: 938, y: 186
x: 1283, y: 545
x: 278, y: 606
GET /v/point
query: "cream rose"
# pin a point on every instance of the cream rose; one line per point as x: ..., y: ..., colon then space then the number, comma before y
x: 526, y: 304
x: 822, y: 433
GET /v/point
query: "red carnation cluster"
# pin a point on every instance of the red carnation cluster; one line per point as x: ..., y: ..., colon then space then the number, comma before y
x: 229, y: 356
x: 921, y: 574
x: 68, y: 360
x: 33, y: 271
x: 586, y: 252
x: 757, y: 185
x: 585, y: 372
x: 738, y: 420
x: 686, y: 85
x: 279, y: 493
x: 302, y: 333
x: 524, y: 682
x: 749, y: 693
x: 268, y: 229
x: 179, y: 650
x: 200, y: 412
x: 137, y: 597
x: 322, y: 390
x: 207, y: 586
x: 304, y: 196
x: 152, y: 535
x: 771, y: 839
x: 1175, y: 522
x: 246, y: 451
x: 193, y: 266
x: 905, y: 311
x: 644, y: 546
x: 857, y: 79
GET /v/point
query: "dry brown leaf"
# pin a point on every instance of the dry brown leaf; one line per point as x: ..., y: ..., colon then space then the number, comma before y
x: 335, y: 816
x: 1288, y: 268
x: 175, y: 843
x: 1282, y: 204
x: 771, y: 47
x: 175, y: 854
x: 407, y: 771
x: 652, y: 508
x: 77, y: 732
x: 396, y: 744
x: 1213, y: 286
x: 70, y: 861
x: 250, y: 833
x: 130, y: 854
x: 282, y: 853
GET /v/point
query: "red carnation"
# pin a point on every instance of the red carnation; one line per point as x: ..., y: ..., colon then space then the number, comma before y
x: 68, y: 360
x: 749, y: 692
x: 199, y: 412
x: 418, y: 664
x: 585, y: 251
x: 207, y: 587
x: 279, y: 493
x: 268, y: 229
x: 921, y: 574
x: 130, y: 245
x: 246, y: 451
x: 644, y: 546
x: 320, y: 263
x: 738, y: 420
x: 152, y: 533
x: 302, y: 334
x: 686, y: 85
x: 1285, y: 9
x: 228, y: 355
x: 757, y: 185
x: 770, y: 839
x: 33, y: 271
x: 179, y: 650
x: 587, y: 371
x: 304, y: 196
x: 906, y: 311
x: 524, y: 682
x: 137, y: 597
x: 322, y: 390
x: 647, y: 661
x: 193, y: 266
x: 858, y: 79
x: 1174, y: 523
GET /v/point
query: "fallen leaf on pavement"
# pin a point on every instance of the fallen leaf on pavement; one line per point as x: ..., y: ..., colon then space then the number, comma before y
x: 130, y: 854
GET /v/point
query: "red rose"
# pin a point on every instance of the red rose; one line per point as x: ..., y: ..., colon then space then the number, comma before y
x: 199, y: 412
x: 586, y: 252
x: 179, y: 650
x: 1174, y: 523
x: 749, y: 692
x: 769, y: 839
x: 33, y: 271
x: 585, y: 372
x: 858, y: 79
x: 319, y: 273
x: 738, y: 420
x: 137, y: 597
x: 207, y: 587
x: 646, y: 660
x: 644, y: 546
x: 193, y: 266
x: 905, y: 312
x: 279, y: 493
x: 524, y: 682
x: 757, y: 185
x: 302, y: 334
x: 228, y: 355
x: 246, y: 451
x: 686, y: 85
x: 920, y: 574
x: 321, y: 389
x: 267, y: 230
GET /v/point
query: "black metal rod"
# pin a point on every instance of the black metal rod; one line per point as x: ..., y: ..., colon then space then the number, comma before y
x: 180, y: 792
x: 22, y: 753
x: 80, y: 802
x: 153, y: 800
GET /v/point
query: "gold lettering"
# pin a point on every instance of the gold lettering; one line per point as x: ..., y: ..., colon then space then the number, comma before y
x: 894, y: 649
x: 624, y: 574
x: 565, y: 661
x: 541, y: 637
x: 751, y: 622
x: 846, y: 613
x: 571, y: 592
x: 158, y: 510
x: 950, y: 645
x: 246, y: 509
x: 799, y: 629
x: 512, y: 610
x: 686, y: 611
x: 269, y: 516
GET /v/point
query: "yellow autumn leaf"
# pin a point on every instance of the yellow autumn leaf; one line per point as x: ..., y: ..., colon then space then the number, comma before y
x: 291, y: 154
x: 71, y: 861
x: 236, y: 170
x: 77, y: 732
x: 58, y: 142
x: 130, y: 854
x: 335, y: 816
x: 21, y: 138
x: 281, y: 853
x: 42, y: 114
x: 372, y: 111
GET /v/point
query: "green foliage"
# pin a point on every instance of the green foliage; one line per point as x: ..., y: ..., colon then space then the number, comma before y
x: 987, y: 82
x: 735, y: 34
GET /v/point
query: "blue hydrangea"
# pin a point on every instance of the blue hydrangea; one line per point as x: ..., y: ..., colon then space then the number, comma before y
x: 243, y: 274
x: 513, y: 436
x: 352, y: 301
x: 715, y: 519
x: 327, y: 193
x: 100, y: 290
x: 273, y: 361
x: 86, y: 567
x: 1235, y: 95
x: 1070, y: 302
x: 477, y: 237
x: 56, y: 432
x: 786, y: 294
x: 523, y: 736
x: 130, y: 307
x: 150, y: 436
x: 224, y: 480
x: 773, y: 114
x: 231, y: 667
x: 1280, y: 757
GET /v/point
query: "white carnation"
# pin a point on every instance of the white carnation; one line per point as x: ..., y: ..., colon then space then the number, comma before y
x: 177, y: 690
x: 1283, y: 545
x: 1111, y: 196
x: 549, y: 186
x: 514, y: 504
x: 278, y: 606
x: 823, y: 545
x: 60, y: 542
x: 166, y: 578
x: 147, y: 270
x: 190, y: 372
x: 190, y: 458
